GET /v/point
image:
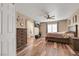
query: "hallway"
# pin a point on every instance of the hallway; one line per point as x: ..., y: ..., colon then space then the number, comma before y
x: 41, y: 48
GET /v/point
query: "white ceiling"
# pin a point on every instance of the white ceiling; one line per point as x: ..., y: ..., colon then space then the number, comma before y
x: 36, y: 10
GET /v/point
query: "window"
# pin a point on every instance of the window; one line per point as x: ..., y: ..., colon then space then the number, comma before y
x: 52, y: 28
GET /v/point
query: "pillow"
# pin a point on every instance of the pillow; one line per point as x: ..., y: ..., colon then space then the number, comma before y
x: 66, y: 36
x: 70, y: 35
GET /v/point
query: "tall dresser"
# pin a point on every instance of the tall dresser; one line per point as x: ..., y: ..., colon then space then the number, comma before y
x: 21, y: 36
x: 74, y: 43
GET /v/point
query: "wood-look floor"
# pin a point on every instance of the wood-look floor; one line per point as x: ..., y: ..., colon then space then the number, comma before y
x: 42, y: 48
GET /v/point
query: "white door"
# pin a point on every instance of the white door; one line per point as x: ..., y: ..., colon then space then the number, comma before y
x: 0, y: 29
x: 7, y: 30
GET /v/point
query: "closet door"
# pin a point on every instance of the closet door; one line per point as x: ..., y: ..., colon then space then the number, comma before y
x: 0, y: 29
x: 8, y: 30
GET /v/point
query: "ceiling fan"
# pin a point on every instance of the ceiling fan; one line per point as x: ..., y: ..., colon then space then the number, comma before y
x: 48, y: 16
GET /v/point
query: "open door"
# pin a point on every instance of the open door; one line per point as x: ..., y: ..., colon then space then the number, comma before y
x: 0, y: 29
x: 7, y: 29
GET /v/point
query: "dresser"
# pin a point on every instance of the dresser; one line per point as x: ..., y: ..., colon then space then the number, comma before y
x: 74, y: 43
x: 21, y: 38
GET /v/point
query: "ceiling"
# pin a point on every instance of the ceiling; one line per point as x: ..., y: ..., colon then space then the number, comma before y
x: 37, y: 10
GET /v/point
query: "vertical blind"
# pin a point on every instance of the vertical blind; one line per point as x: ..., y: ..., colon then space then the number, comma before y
x: 52, y: 28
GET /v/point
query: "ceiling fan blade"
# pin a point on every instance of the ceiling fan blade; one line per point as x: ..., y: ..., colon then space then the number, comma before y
x: 52, y: 16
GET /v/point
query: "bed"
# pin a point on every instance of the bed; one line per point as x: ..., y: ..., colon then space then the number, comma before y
x: 57, y: 37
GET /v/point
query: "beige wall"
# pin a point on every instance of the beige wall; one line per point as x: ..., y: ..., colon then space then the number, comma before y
x: 43, y: 28
x: 25, y: 22
x: 36, y: 31
x: 30, y: 28
x: 62, y: 26
x: 28, y: 24
x: 20, y: 20
x: 30, y: 32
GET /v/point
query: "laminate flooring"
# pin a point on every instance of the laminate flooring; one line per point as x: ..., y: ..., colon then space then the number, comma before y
x: 42, y: 48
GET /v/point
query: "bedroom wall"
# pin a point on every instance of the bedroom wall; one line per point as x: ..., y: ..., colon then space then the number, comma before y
x: 30, y: 28
x: 20, y: 19
x: 62, y: 26
x: 43, y: 28
x: 28, y: 24
x: 30, y: 31
x: 36, y: 31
